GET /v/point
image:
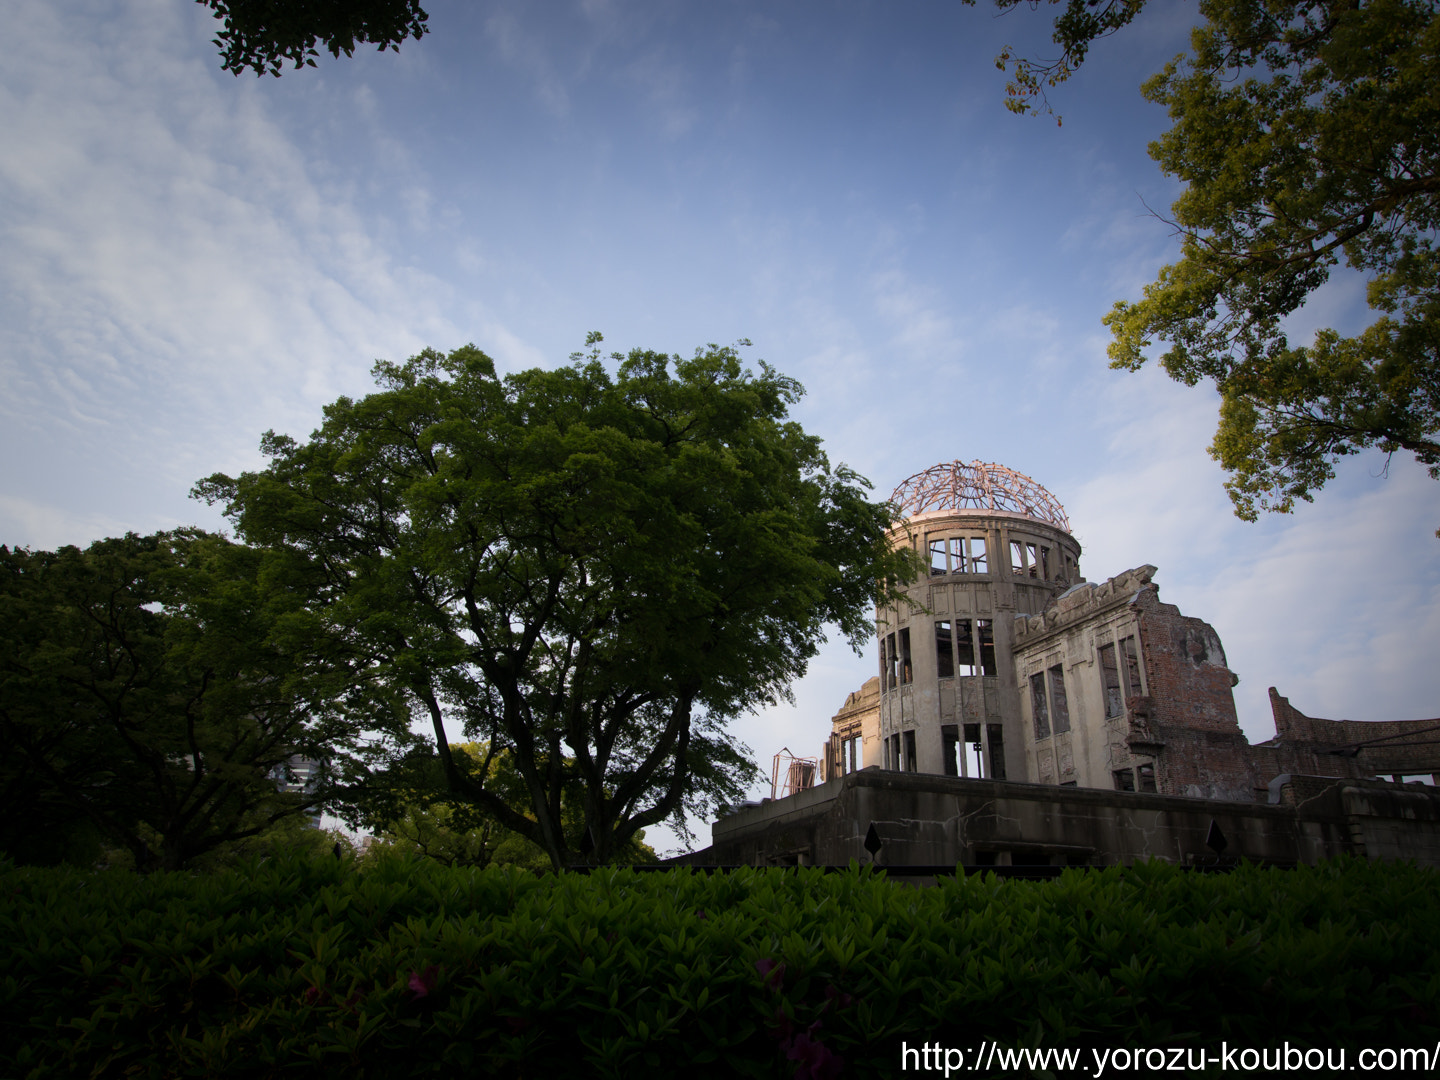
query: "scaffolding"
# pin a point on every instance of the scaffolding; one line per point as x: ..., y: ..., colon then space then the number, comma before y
x: 977, y: 486
x: 798, y: 774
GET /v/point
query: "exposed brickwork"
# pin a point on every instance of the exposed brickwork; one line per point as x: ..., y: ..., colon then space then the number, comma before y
x: 1303, y: 744
x: 1185, y: 724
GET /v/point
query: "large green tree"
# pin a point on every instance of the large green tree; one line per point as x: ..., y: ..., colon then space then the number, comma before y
x: 156, y: 689
x: 428, y: 820
x: 1308, y: 137
x: 587, y: 572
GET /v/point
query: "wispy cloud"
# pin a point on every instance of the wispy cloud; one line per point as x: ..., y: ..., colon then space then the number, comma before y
x: 175, y: 280
x: 526, y: 53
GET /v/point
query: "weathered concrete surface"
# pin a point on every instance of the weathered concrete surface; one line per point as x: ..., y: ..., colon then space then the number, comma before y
x: 924, y: 819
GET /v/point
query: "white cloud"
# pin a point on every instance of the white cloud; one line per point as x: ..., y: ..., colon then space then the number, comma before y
x: 175, y: 281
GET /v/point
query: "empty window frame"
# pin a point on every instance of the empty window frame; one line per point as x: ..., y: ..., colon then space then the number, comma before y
x: 1130, y: 664
x: 978, y: 564
x: 956, y: 555
x: 950, y: 748
x: 1124, y: 779
x: 995, y: 736
x: 907, y: 671
x: 944, y: 650
x: 1033, y: 564
x: 1146, y: 776
x: 937, y: 557
x: 1017, y: 558
x: 1110, y: 681
x: 987, y: 647
x: 1059, y: 704
x: 887, y: 662
x: 910, y: 751
x: 972, y: 736
x: 964, y: 648
x: 1038, y: 712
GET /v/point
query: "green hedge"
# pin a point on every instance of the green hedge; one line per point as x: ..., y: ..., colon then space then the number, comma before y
x: 409, y: 969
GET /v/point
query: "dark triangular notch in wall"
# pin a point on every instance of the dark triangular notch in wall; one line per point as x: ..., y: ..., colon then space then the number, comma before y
x: 872, y: 841
x: 1215, y: 839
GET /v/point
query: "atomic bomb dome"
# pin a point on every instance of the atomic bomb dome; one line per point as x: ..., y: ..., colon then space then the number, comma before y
x: 978, y: 486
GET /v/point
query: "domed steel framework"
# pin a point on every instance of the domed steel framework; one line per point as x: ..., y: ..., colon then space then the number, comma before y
x: 978, y: 486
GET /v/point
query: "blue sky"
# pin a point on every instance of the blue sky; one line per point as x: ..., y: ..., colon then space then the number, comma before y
x: 190, y: 258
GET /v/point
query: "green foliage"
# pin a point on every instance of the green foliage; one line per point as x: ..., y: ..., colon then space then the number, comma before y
x: 1306, y: 133
x: 404, y: 968
x: 589, y: 573
x: 1076, y: 28
x: 263, y: 35
x: 430, y: 823
x: 152, y: 689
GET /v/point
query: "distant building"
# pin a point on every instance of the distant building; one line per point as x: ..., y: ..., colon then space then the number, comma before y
x: 1004, y: 665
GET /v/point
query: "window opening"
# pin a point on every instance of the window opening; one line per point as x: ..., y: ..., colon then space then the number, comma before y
x: 910, y: 751
x: 957, y: 555
x: 1059, y: 704
x: 1132, y: 666
x: 995, y: 735
x: 906, y: 672
x: 1146, y: 774
x: 977, y: 555
x: 972, y: 736
x: 987, y: 647
x: 950, y: 740
x: 1032, y: 558
x: 937, y: 558
x: 1124, y: 780
x: 944, y: 654
x: 964, y: 648
x: 1017, y: 558
x: 1038, y: 711
x: 1110, y: 680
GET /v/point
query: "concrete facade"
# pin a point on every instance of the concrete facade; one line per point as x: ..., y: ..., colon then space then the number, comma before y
x: 854, y: 742
x: 1022, y: 713
x: 949, y: 702
x: 931, y: 820
x: 1104, y: 668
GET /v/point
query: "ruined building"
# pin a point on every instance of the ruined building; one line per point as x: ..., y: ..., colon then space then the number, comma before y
x: 1024, y: 714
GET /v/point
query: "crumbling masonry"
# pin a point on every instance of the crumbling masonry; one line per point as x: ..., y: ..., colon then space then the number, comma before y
x: 1004, y: 665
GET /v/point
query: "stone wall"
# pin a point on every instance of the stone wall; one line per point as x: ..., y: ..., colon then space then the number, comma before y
x: 925, y: 820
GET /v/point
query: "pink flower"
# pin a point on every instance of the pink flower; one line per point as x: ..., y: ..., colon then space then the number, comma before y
x: 771, y: 972
x: 813, y: 1059
x: 423, y: 982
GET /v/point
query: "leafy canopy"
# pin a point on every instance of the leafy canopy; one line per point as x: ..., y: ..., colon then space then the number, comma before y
x: 263, y: 35
x: 1308, y: 135
x: 429, y: 822
x: 157, y: 688
x: 588, y: 573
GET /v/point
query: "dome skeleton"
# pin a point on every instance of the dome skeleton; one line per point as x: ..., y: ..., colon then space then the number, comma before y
x: 977, y: 486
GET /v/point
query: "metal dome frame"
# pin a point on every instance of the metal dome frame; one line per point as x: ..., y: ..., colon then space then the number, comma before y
x: 979, y: 485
